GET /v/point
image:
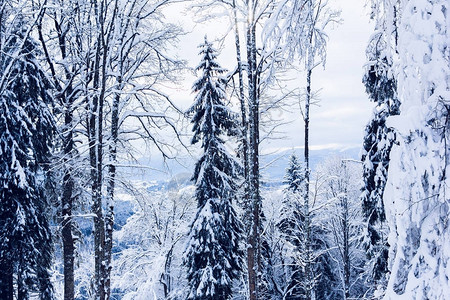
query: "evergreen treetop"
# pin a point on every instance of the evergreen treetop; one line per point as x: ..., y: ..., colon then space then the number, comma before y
x: 211, y: 120
x: 294, y: 174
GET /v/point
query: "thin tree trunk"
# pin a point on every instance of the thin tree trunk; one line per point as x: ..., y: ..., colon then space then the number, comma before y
x: 105, y: 281
x: 247, y: 204
x: 95, y: 154
x: 166, y: 279
x: 309, y: 261
x: 99, y: 235
x: 308, y: 271
x: 110, y: 188
x: 346, y: 229
x: 68, y: 186
x: 67, y: 205
x: 96, y: 147
x: 253, y: 259
x: 244, y: 123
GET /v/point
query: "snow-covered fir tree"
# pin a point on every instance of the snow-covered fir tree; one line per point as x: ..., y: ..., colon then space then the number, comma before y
x: 291, y: 222
x: 25, y: 137
x: 213, y: 257
x: 378, y: 140
x: 416, y: 196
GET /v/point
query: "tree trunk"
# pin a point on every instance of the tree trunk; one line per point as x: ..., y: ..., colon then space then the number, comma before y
x: 96, y: 151
x: 99, y: 227
x: 244, y: 123
x: 166, y: 278
x: 308, y: 262
x: 253, y: 259
x: 95, y: 155
x: 6, y: 279
x: 309, y: 66
x: 103, y: 235
x: 67, y: 197
x: 346, y: 241
x: 110, y: 189
x: 67, y: 204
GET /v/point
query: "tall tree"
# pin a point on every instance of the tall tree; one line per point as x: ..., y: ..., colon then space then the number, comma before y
x: 256, y: 70
x: 101, y: 33
x: 381, y: 87
x: 260, y: 75
x: 67, y: 20
x: 254, y: 236
x: 213, y: 257
x: 26, y: 127
x: 140, y: 41
x: 416, y: 193
x: 300, y: 33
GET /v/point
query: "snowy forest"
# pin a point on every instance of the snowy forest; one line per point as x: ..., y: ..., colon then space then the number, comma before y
x: 147, y: 151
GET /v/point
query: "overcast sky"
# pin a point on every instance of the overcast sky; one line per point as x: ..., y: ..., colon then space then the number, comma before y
x: 344, y: 107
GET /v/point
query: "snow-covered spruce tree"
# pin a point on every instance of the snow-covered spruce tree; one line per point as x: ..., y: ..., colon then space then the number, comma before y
x: 213, y: 257
x: 416, y: 195
x: 25, y: 137
x: 290, y: 224
x: 381, y: 87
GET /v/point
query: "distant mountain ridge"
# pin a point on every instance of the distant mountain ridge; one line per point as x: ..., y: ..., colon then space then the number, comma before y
x: 272, y: 165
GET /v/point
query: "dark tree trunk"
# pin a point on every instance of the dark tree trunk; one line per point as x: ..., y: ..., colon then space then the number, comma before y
x: 309, y: 274
x: 95, y: 154
x: 253, y: 251
x: 308, y: 270
x: 96, y: 124
x: 166, y: 278
x: 6, y: 280
x: 67, y: 197
x: 110, y: 189
x: 346, y: 241
x: 67, y: 205
x: 244, y: 123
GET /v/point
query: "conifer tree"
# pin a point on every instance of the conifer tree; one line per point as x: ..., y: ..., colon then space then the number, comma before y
x: 381, y: 88
x: 291, y: 222
x: 25, y: 137
x: 292, y: 215
x: 416, y: 193
x: 213, y: 257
